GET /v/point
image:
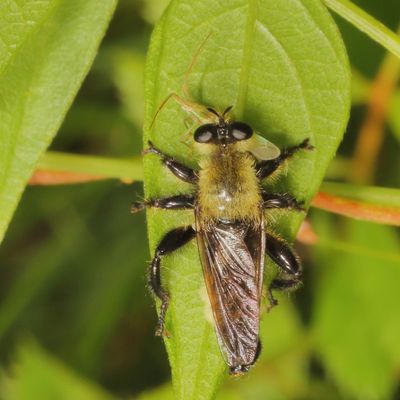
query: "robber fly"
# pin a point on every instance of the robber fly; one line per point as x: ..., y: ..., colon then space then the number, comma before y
x: 229, y: 203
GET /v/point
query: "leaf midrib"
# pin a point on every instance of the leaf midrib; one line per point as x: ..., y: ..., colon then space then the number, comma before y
x: 252, y: 7
x: 204, y: 339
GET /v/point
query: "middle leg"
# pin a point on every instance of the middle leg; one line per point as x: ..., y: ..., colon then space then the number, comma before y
x: 172, y: 241
x: 179, y: 202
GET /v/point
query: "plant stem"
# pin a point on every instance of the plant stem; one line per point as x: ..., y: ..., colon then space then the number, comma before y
x: 356, y: 209
x: 367, y: 24
x: 380, y: 205
x: 371, y: 135
x: 72, y: 168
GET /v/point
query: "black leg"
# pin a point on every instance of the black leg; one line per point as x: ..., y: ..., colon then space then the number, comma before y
x: 281, y: 200
x: 172, y: 241
x: 182, y: 172
x: 266, y: 168
x: 179, y: 202
x: 281, y: 253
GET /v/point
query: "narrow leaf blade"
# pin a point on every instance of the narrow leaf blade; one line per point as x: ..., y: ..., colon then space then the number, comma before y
x: 46, y: 56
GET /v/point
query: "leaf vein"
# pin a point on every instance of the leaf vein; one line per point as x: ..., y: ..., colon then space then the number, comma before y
x: 294, y: 70
x: 318, y: 28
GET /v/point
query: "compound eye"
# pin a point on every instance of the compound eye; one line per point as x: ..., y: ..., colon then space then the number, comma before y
x: 241, y: 131
x: 204, y: 133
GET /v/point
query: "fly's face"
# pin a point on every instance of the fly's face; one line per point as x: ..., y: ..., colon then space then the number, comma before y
x: 222, y: 132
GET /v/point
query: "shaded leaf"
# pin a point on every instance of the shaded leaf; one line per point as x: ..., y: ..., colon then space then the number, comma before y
x: 356, y: 320
x: 128, y: 73
x: 37, y: 375
x: 46, y: 49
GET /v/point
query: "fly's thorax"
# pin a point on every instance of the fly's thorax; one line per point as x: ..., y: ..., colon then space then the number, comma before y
x: 228, y: 186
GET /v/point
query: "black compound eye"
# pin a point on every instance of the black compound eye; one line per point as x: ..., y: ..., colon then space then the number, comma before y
x: 241, y: 131
x: 204, y: 133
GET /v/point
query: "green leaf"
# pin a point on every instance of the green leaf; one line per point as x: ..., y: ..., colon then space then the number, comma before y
x: 127, y: 73
x: 356, y: 320
x: 367, y: 24
x: 153, y: 9
x: 37, y: 375
x: 283, y: 66
x: 46, y: 49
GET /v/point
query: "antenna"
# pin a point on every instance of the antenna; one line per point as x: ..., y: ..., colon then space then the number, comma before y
x: 185, y: 86
x: 190, y: 105
x: 227, y: 110
x: 213, y: 111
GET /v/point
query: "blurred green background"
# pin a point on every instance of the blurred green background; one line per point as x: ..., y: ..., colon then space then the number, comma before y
x: 76, y: 318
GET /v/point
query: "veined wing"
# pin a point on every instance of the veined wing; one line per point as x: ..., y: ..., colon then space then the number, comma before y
x: 232, y: 257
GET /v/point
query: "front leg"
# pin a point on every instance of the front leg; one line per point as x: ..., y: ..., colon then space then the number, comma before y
x: 282, y: 201
x: 182, y: 172
x: 179, y: 202
x: 281, y: 253
x: 172, y: 241
x: 266, y: 168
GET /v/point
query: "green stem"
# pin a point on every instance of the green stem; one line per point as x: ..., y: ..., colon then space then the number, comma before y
x: 367, y: 24
x: 380, y: 196
x: 123, y: 169
x: 131, y: 169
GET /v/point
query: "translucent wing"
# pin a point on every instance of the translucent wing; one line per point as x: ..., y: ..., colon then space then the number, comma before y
x: 262, y: 149
x: 232, y: 257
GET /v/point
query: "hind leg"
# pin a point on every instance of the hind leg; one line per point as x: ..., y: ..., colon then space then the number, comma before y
x: 289, y: 263
x: 172, y: 241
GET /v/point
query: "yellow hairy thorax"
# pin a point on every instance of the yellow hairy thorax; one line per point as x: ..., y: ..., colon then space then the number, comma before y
x: 228, y: 186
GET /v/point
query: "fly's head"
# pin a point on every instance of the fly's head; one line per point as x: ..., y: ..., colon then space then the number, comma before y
x: 223, y: 132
